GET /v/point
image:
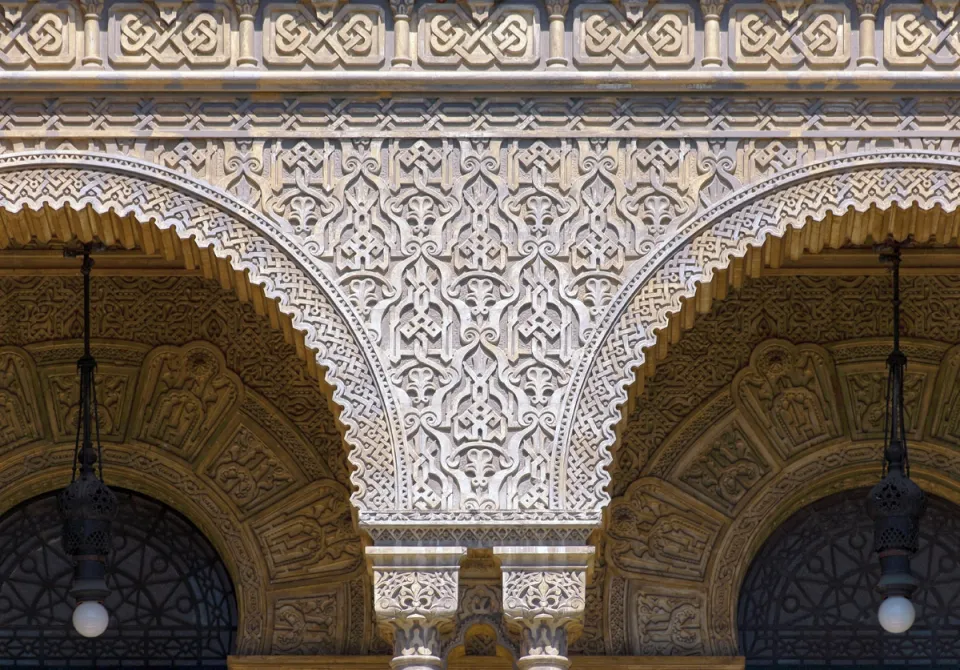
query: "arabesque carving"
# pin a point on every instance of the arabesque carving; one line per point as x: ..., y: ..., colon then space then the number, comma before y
x: 235, y: 483
x: 791, y: 393
x: 841, y: 324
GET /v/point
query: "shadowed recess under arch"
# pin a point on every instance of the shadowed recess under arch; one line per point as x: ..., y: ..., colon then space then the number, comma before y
x: 172, y: 602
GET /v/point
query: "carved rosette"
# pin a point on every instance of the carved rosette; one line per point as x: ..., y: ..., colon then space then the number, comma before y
x: 544, y: 597
x: 415, y: 595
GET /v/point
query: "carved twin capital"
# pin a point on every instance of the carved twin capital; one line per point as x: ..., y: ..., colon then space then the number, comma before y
x: 544, y: 596
x: 415, y: 597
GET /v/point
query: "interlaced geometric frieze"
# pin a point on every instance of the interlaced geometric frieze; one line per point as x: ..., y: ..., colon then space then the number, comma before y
x: 449, y: 35
x: 914, y: 36
x: 352, y: 36
x: 38, y: 34
x: 197, y: 34
x: 761, y: 37
x: 663, y: 37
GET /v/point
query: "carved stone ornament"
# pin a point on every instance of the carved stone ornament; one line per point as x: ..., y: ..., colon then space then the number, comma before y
x: 697, y: 455
x: 237, y: 484
x: 415, y: 597
x: 544, y: 597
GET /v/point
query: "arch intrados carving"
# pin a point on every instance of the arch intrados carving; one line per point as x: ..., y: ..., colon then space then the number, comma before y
x: 44, y: 467
x: 256, y: 246
x: 802, y: 482
x: 696, y: 251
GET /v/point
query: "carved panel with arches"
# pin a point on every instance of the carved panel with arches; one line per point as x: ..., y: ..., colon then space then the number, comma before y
x: 729, y: 474
x: 206, y: 407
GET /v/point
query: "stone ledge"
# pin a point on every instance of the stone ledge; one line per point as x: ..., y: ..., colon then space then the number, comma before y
x: 309, y: 662
x: 579, y: 662
x: 609, y: 83
x: 657, y: 663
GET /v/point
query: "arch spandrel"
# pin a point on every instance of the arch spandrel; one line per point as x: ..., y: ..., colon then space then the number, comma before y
x: 255, y: 245
x: 710, y: 246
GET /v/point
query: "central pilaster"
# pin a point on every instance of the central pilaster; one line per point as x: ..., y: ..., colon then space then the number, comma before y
x: 544, y: 597
x: 415, y: 593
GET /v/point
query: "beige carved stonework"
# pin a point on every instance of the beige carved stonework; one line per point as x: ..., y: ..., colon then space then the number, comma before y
x: 297, y: 35
x: 656, y: 529
x: 198, y: 424
x: 19, y: 417
x: 661, y: 35
x: 166, y: 34
x: 488, y: 231
x: 797, y: 330
x: 470, y: 34
x: 790, y: 392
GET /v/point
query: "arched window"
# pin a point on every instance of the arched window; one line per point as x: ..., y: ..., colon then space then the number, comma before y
x: 172, y: 602
x: 808, y: 600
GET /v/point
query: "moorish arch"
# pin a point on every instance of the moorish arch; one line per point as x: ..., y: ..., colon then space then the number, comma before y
x: 719, y: 246
x: 261, y: 253
x: 809, y: 590
x: 771, y: 399
x: 172, y: 599
x: 255, y: 459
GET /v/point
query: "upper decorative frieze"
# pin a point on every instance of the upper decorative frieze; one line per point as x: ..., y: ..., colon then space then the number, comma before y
x: 617, y: 45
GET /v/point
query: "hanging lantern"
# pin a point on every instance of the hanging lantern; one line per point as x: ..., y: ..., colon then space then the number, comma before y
x: 87, y: 505
x: 896, y: 503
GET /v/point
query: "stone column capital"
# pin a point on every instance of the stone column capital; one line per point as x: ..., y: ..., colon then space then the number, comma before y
x: 544, y: 596
x: 415, y: 596
x: 247, y: 8
x: 868, y: 7
x: 712, y: 8
x: 402, y: 8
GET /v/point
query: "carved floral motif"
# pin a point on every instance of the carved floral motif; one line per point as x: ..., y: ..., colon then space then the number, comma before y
x: 653, y: 530
x: 249, y: 472
x: 187, y: 392
x: 19, y: 421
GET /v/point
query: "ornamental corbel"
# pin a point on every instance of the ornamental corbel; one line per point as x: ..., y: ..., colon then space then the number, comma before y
x: 415, y: 597
x: 323, y: 9
x: 479, y: 10
x: 544, y: 598
x: 945, y: 10
x: 790, y: 10
x: 13, y: 12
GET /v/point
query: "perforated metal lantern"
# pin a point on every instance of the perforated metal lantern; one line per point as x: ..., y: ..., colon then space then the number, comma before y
x: 896, y: 503
x: 87, y: 506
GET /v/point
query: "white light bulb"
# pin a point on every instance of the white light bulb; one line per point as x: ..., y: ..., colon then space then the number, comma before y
x: 90, y: 619
x: 896, y: 614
